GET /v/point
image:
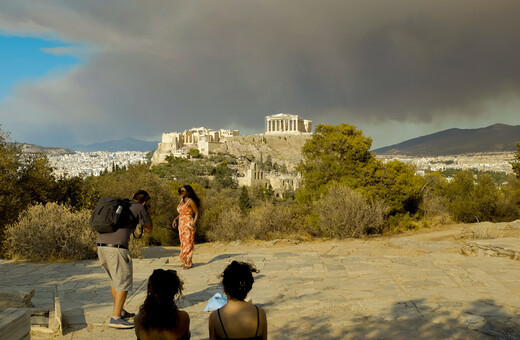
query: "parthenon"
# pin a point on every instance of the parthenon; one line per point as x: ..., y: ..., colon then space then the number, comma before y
x: 284, y: 123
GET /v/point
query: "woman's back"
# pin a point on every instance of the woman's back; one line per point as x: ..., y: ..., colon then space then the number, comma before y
x: 180, y: 332
x: 238, y: 320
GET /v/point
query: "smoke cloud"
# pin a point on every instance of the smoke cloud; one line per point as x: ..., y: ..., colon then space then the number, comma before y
x: 159, y: 66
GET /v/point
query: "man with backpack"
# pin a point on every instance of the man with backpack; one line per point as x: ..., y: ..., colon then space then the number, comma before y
x: 113, y: 252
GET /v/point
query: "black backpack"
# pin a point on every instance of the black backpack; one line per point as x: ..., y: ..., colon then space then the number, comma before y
x: 110, y: 214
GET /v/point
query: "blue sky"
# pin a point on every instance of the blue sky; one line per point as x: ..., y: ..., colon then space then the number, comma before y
x: 81, y: 72
x: 23, y: 60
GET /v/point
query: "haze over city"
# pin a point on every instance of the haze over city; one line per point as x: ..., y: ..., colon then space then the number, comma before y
x: 92, y: 71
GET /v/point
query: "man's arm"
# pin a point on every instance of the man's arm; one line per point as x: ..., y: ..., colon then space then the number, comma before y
x: 148, y: 226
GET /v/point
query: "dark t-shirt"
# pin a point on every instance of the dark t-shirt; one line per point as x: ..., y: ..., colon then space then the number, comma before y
x: 122, y: 235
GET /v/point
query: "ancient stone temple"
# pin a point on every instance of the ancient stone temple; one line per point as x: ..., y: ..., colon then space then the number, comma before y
x: 179, y: 143
x: 284, y: 123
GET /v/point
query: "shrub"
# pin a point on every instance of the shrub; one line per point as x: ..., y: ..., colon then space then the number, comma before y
x: 271, y: 221
x: 213, y: 205
x: 508, y: 205
x: 228, y: 226
x: 435, y: 210
x: 223, y: 220
x: 344, y: 213
x: 51, y: 232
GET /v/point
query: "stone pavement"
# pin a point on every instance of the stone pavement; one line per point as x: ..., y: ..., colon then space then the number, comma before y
x: 416, y: 286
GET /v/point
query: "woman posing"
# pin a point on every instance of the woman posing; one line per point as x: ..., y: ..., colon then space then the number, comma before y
x: 238, y: 319
x: 186, y: 221
x: 159, y: 317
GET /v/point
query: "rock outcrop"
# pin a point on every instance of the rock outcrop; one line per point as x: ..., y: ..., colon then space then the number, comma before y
x: 283, y: 150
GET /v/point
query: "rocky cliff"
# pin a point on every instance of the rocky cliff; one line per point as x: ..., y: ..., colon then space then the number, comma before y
x: 282, y: 149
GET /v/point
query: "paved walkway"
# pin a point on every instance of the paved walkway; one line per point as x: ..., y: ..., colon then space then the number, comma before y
x: 417, y: 286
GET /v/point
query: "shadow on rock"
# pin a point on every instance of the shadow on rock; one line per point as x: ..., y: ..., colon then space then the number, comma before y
x: 414, y: 319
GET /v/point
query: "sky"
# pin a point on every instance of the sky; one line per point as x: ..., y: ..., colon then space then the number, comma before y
x: 81, y: 72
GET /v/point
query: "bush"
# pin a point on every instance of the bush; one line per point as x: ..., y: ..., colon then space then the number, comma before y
x: 344, y: 213
x: 222, y: 219
x: 435, y: 210
x: 228, y: 226
x: 51, y: 232
x: 270, y: 221
x: 213, y: 205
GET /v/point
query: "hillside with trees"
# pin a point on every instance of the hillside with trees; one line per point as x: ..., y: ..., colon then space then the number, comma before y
x: 347, y: 192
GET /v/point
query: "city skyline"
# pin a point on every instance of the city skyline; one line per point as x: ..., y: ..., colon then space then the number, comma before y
x: 86, y: 72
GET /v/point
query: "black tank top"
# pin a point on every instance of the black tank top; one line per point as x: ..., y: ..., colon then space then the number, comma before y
x: 256, y: 337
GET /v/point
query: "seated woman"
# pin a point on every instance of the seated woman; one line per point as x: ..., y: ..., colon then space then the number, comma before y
x: 159, y: 317
x: 238, y: 319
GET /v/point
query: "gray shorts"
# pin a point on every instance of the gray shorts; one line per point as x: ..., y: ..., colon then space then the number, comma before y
x: 117, y: 262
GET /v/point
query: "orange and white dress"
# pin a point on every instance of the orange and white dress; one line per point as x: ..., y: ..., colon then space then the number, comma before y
x: 187, y: 231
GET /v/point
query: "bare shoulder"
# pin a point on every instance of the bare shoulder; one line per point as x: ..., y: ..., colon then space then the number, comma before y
x: 213, y: 315
x: 184, y: 316
x: 261, y: 311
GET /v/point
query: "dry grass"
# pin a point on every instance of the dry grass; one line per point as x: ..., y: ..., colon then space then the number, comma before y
x: 480, y: 232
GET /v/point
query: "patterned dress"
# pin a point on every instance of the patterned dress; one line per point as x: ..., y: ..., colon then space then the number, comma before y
x: 186, y: 233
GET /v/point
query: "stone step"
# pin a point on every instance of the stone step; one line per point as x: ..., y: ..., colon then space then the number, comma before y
x: 15, y: 324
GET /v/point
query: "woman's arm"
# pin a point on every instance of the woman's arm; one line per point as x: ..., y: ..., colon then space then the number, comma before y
x: 195, y: 210
x: 185, y: 318
x: 263, y: 318
x: 211, y: 324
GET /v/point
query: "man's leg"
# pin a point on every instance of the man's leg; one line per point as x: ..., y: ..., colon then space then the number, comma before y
x: 119, y: 301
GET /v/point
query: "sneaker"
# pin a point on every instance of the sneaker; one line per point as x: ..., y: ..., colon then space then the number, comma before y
x: 126, y: 315
x: 120, y: 323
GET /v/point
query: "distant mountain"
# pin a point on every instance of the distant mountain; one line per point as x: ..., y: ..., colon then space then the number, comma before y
x: 52, y: 151
x: 494, y: 138
x: 126, y: 144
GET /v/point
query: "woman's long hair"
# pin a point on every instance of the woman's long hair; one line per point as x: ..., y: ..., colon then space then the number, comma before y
x: 191, y: 194
x: 159, y: 310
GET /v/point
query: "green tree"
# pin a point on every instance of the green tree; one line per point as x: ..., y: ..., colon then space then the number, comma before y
x: 75, y: 193
x: 461, y: 194
x: 244, y: 202
x: 194, y: 153
x: 339, y: 155
x: 36, y: 180
x: 10, y: 203
x: 266, y: 165
x: 334, y: 154
x: 183, y: 170
x: 486, y: 195
x: 222, y: 178
x: 394, y: 183
x: 516, y: 163
x: 508, y: 206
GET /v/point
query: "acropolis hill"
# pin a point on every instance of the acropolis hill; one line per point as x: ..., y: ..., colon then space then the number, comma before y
x: 283, y: 139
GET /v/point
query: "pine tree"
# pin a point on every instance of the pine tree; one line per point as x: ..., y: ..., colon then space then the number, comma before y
x: 516, y: 163
x: 244, y: 202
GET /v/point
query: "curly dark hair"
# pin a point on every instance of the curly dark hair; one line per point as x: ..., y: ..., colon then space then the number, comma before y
x: 237, y: 279
x: 191, y: 194
x: 159, y: 306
